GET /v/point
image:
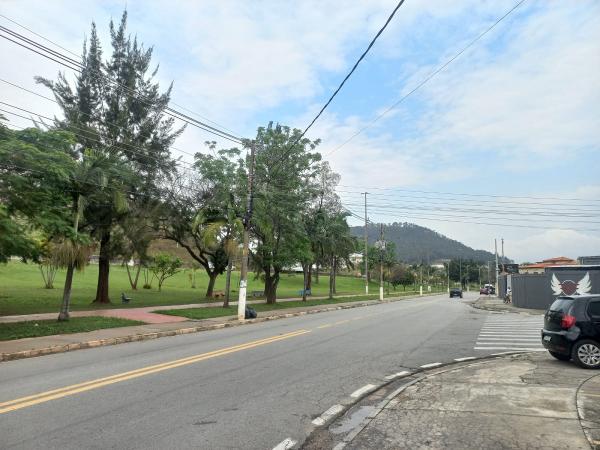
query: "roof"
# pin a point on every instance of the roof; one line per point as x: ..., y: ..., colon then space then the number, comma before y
x: 550, y: 262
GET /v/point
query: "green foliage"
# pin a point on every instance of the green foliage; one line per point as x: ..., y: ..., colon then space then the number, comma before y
x: 401, y: 275
x: 164, y: 266
x: 282, y: 195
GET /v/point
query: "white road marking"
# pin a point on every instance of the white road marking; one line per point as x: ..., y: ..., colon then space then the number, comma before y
x: 340, y: 446
x: 427, y: 366
x: 464, y: 359
x: 286, y: 444
x: 367, y: 388
x: 510, y: 333
x: 398, y: 374
x: 323, y: 418
x: 531, y: 349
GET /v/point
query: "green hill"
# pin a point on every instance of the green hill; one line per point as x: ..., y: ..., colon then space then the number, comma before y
x: 415, y: 243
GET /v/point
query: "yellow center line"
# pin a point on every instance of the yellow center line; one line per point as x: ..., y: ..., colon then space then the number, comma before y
x: 43, y: 397
x: 325, y: 326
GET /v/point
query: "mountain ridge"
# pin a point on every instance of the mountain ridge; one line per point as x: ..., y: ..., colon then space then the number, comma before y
x: 415, y: 243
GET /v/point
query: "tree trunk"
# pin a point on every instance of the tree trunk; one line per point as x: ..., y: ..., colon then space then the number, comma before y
x: 66, y: 301
x: 133, y: 281
x: 309, y: 276
x: 103, y: 270
x: 271, y: 287
x: 228, y: 283
x: 331, y: 278
x: 304, y: 281
x: 316, y: 272
x: 212, y: 277
x: 335, y: 264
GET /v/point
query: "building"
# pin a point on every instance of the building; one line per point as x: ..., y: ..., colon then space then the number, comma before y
x: 588, y: 260
x: 540, y: 267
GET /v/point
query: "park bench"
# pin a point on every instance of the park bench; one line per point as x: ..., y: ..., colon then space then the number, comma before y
x: 257, y: 293
x: 124, y: 298
x: 301, y: 292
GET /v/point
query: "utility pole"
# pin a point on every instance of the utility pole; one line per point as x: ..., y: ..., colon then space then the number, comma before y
x: 496, y: 252
x: 247, y: 216
x: 449, y: 261
x: 366, y: 247
x: 381, y: 250
x: 460, y: 272
x: 488, y: 268
x: 502, y: 240
x: 421, y: 279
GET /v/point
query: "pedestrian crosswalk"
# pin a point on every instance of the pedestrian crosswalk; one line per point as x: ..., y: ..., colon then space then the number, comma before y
x: 506, y: 332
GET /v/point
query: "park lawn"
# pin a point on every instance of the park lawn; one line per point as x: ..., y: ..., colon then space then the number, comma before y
x: 207, y: 313
x: 19, y: 330
x: 22, y: 292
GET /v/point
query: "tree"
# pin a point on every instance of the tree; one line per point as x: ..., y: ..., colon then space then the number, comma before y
x: 338, y: 244
x: 283, y: 170
x: 164, y: 266
x: 401, y: 275
x: 203, y: 213
x: 116, y: 108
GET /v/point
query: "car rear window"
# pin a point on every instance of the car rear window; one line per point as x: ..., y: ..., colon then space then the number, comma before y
x: 562, y: 305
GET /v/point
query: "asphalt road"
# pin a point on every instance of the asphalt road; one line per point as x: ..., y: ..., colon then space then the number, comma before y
x: 243, y: 387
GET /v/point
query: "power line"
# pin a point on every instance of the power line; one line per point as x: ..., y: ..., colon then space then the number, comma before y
x: 429, y: 77
x: 506, y: 216
x: 389, y: 19
x: 70, y: 63
x: 172, y: 147
x: 475, y: 195
x: 117, y: 147
x: 513, y: 225
x: 287, y: 151
x: 76, y: 55
x: 508, y: 205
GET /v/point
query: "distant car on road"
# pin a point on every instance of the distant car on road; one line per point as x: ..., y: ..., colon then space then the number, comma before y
x: 484, y: 291
x: 491, y: 289
x: 572, y: 330
x: 455, y: 292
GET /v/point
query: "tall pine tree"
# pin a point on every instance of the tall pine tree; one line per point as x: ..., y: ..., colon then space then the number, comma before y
x: 116, y: 107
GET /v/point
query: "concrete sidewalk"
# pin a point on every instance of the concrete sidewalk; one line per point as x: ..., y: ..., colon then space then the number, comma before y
x: 524, y: 401
x: 30, y: 347
x: 145, y: 313
x: 491, y: 303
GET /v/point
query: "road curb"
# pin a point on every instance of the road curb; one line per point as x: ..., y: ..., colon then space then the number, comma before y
x: 158, y: 334
x: 474, y: 305
x: 420, y: 373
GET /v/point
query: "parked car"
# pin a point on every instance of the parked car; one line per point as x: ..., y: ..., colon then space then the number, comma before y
x: 491, y: 289
x: 572, y: 330
x: 455, y: 292
x: 484, y: 291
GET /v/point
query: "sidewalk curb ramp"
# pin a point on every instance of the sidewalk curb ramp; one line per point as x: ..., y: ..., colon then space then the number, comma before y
x: 589, y: 417
x: 155, y: 335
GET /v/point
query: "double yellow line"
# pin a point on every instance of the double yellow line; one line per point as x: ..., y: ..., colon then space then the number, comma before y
x: 43, y: 397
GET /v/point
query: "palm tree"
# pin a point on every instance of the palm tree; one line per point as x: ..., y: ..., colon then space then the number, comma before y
x: 74, y: 249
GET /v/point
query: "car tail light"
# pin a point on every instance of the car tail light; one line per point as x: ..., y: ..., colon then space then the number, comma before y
x: 567, y: 321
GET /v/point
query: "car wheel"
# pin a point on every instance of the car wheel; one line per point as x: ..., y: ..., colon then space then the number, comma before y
x: 586, y: 354
x: 560, y: 356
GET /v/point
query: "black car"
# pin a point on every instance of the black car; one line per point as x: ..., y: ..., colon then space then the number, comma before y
x: 455, y: 292
x: 572, y: 330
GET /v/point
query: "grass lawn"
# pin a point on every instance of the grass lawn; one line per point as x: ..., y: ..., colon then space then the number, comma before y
x: 22, y: 292
x: 207, y: 313
x: 19, y: 330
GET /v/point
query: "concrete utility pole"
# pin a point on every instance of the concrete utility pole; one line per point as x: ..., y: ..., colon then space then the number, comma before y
x: 382, y: 249
x: 421, y: 279
x: 247, y: 216
x: 449, y: 261
x: 460, y: 272
x: 366, y: 247
x: 502, y: 240
x: 488, y: 268
x: 496, y: 252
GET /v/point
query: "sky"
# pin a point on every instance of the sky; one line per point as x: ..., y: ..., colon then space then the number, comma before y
x: 503, y: 142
